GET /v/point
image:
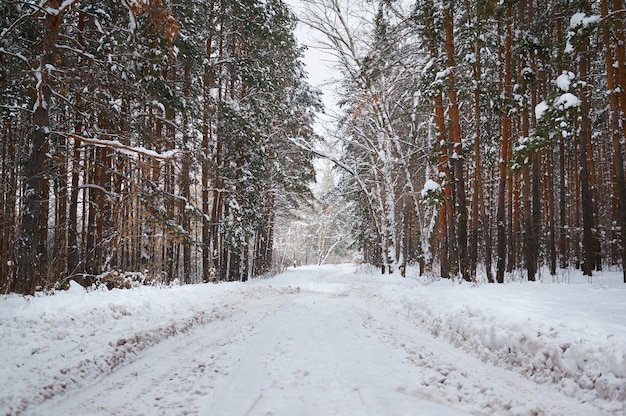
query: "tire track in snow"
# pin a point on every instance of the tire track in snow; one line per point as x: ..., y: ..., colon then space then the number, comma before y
x: 166, y: 378
x: 476, y: 386
x: 293, y: 351
x: 314, y: 356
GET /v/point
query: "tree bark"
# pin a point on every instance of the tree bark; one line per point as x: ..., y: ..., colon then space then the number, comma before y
x: 504, y: 153
x: 31, y: 250
x: 588, y: 246
x: 207, y: 132
x: 477, y: 183
x: 619, y: 187
x: 443, y: 169
x: 185, y: 185
x: 457, y: 151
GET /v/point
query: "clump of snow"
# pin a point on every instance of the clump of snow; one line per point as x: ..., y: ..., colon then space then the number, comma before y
x: 567, y: 100
x: 540, y: 109
x: 579, y: 22
x: 581, y: 19
x: 564, y: 81
x: 75, y: 288
x: 441, y: 75
x: 430, y: 186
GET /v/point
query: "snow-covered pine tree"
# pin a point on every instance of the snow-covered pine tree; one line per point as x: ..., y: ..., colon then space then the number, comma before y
x: 128, y: 95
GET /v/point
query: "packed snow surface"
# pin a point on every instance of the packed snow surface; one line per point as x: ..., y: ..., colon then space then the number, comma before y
x: 333, y: 340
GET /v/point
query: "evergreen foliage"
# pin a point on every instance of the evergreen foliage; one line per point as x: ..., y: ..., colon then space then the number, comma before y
x: 147, y: 136
x: 515, y: 109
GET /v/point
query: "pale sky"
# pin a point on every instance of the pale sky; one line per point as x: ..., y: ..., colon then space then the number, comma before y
x: 318, y: 63
x: 322, y: 74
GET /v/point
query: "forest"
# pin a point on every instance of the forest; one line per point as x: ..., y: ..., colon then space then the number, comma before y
x: 147, y: 139
x: 157, y: 141
x: 481, y: 140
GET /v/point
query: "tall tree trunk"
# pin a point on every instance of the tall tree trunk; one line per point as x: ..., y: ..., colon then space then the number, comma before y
x: 588, y: 246
x: 549, y: 177
x: 8, y: 225
x: 593, y: 184
x: 445, y: 212
x: 513, y: 209
x: 207, y: 132
x: 60, y: 261
x: 206, y: 239
x: 528, y: 240
x: 31, y: 250
x: 457, y: 151
x: 6, y: 133
x: 217, y: 211
x: 619, y: 188
x: 488, y: 238
x: 72, y: 223
x: 620, y: 54
x: 185, y: 188
x: 477, y: 183
x: 405, y: 237
x: 169, y: 180
x: 441, y: 146
x: 564, y: 231
x: 563, y: 228
x: 504, y: 153
x: 531, y: 220
x: 535, y: 225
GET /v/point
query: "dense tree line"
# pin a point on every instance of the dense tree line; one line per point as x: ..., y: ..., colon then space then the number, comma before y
x: 482, y: 135
x: 147, y: 138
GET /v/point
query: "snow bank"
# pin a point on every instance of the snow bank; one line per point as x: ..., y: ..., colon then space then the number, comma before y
x: 572, y: 334
x: 53, y: 344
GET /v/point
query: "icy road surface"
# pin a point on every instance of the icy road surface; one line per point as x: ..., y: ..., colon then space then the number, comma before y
x: 314, y: 341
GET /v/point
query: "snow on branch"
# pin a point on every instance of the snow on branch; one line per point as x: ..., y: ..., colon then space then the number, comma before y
x: 62, y: 8
x: 18, y: 22
x: 15, y: 54
x: 119, y: 146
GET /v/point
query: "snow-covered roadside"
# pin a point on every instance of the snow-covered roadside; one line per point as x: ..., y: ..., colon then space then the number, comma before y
x: 572, y: 334
x: 566, y: 335
x: 50, y: 345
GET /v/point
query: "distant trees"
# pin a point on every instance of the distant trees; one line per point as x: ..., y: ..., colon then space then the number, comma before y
x: 518, y: 106
x: 382, y: 158
x: 160, y: 139
x: 319, y: 232
x: 147, y: 138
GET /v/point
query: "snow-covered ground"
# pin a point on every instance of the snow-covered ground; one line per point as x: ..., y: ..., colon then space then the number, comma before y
x: 333, y: 340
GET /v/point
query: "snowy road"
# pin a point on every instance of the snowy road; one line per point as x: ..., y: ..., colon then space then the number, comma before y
x: 327, y: 346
